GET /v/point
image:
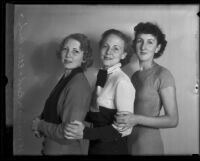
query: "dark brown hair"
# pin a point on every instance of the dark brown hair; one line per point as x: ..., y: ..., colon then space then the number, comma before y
x: 153, y: 29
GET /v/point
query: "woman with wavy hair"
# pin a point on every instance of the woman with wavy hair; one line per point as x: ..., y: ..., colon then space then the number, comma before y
x: 69, y: 100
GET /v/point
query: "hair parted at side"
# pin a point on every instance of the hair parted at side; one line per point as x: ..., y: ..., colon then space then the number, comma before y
x: 127, y: 41
x: 153, y: 29
x: 84, y: 46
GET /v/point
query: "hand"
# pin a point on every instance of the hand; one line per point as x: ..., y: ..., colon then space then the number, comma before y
x: 125, y: 120
x: 74, y: 130
x: 35, y: 124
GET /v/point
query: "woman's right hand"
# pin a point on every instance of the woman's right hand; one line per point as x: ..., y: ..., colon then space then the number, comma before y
x: 35, y: 123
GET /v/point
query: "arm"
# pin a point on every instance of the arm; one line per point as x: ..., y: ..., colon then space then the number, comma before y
x: 169, y: 119
x: 167, y: 92
x: 77, y: 130
x: 124, y: 99
x: 75, y: 107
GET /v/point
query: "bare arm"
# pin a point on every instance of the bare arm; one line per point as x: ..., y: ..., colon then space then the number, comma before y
x: 169, y: 119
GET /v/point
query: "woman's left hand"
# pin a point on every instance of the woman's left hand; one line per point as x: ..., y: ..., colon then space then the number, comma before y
x: 74, y: 130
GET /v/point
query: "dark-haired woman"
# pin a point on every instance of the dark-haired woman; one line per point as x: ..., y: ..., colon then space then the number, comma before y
x: 69, y: 100
x: 155, y: 88
x: 114, y: 92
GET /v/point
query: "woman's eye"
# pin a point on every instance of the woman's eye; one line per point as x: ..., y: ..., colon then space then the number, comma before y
x: 116, y: 49
x: 138, y: 41
x: 104, y: 46
x: 150, y: 42
x: 75, y: 51
x: 64, y: 49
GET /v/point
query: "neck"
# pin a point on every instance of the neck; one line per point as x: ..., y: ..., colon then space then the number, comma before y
x: 67, y: 72
x: 146, y: 65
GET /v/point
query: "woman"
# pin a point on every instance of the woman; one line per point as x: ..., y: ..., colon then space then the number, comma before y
x: 69, y: 100
x: 114, y: 92
x: 155, y: 88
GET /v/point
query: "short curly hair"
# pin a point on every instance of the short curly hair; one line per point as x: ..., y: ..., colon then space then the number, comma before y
x: 153, y: 29
x: 127, y: 41
x: 84, y: 46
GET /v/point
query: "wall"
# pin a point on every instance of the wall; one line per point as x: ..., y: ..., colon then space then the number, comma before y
x: 38, y: 29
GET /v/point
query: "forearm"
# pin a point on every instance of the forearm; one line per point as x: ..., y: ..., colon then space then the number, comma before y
x: 163, y: 121
x: 53, y: 131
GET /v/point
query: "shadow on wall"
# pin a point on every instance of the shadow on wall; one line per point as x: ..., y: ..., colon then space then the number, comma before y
x: 46, y: 69
x: 132, y: 66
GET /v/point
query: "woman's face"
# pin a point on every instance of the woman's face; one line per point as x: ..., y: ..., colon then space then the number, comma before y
x: 71, y: 54
x: 146, y: 46
x: 112, y: 50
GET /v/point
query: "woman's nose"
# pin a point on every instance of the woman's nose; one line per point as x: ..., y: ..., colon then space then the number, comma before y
x: 143, y: 46
x: 108, y: 51
x: 68, y: 54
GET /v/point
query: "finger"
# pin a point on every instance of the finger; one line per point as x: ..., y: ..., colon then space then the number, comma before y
x: 123, y: 113
x: 75, y: 122
x: 68, y: 129
x: 68, y: 137
x: 115, y: 123
x: 121, y: 125
x: 120, y: 120
x: 69, y: 134
x: 124, y: 129
x: 73, y: 126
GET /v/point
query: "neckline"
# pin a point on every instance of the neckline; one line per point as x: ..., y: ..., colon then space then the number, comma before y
x: 113, y: 68
x: 153, y: 65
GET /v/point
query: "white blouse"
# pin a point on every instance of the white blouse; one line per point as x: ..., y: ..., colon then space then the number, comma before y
x: 118, y: 92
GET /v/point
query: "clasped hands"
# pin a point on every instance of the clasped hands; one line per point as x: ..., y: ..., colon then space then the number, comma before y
x: 123, y: 124
x: 125, y: 121
x: 35, y: 124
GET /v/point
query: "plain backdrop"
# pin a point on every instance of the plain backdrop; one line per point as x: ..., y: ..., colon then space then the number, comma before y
x: 38, y: 30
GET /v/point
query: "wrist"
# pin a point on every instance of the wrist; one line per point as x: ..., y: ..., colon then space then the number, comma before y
x: 136, y: 119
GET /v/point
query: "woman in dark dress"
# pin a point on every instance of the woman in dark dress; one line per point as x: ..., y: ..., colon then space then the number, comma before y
x: 69, y: 100
x: 155, y: 88
x: 114, y: 92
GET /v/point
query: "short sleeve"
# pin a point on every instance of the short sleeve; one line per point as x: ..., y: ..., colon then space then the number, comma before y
x: 166, y: 79
x: 125, y: 96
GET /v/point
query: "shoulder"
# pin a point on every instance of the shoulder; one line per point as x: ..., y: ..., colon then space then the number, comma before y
x: 121, y: 76
x: 164, y: 77
x: 163, y: 73
x: 79, y: 82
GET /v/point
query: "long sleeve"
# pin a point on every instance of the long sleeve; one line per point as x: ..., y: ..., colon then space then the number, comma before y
x: 105, y: 133
x: 125, y: 96
x: 74, y: 107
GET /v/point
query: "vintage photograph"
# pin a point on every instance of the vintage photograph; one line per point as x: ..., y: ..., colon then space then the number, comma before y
x: 103, y: 79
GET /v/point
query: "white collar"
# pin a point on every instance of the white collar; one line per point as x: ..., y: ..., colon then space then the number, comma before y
x: 114, y: 68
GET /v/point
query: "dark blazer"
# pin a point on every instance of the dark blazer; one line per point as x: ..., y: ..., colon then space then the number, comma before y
x: 73, y: 104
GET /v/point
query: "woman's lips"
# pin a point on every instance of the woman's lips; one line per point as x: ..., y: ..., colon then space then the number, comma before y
x: 67, y: 61
x: 107, y: 58
x: 143, y: 53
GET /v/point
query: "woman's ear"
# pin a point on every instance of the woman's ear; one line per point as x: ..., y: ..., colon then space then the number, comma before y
x: 123, y: 56
x: 158, y: 48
